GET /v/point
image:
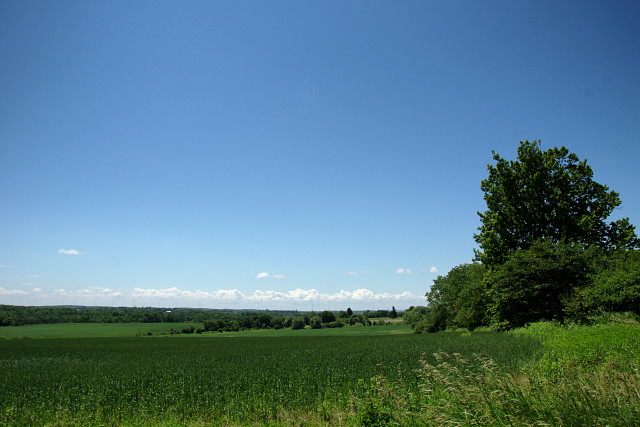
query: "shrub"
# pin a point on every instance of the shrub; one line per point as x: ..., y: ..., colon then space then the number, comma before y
x: 336, y: 324
x: 316, y: 323
x: 297, y: 323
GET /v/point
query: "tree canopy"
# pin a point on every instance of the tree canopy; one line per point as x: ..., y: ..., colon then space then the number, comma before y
x: 547, y: 250
x: 546, y: 195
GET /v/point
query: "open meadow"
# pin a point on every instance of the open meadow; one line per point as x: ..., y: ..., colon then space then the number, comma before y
x: 538, y: 374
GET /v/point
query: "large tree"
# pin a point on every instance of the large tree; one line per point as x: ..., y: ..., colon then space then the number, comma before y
x: 546, y: 195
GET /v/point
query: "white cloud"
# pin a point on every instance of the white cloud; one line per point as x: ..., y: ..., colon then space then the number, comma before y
x: 96, y: 292
x: 434, y: 270
x: 294, y: 295
x: 226, y: 294
x: 359, y: 273
x: 156, y: 293
x: 69, y: 252
x: 265, y: 275
x: 7, y: 266
x: 12, y: 292
x: 359, y: 294
x: 173, y: 293
x: 404, y: 271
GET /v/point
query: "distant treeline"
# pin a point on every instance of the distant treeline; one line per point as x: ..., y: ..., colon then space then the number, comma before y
x: 325, y: 319
x: 214, y: 320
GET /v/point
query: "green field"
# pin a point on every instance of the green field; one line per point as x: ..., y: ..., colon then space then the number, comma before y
x: 91, y: 330
x: 542, y: 374
x: 348, y: 331
x: 96, y: 330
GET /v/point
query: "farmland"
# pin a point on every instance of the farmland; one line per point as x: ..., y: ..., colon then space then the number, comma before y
x: 194, y: 379
x: 99, y: 330
x: 91, y: 330
x: 281, y: 379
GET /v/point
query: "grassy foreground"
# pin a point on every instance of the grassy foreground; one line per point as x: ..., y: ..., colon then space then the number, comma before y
x: 540, y: 375
x: 586, y: 376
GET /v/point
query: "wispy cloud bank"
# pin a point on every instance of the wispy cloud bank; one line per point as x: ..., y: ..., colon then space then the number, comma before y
x: 265, y: 275
x: 172, y: 293
x: 229, y: 298
x: 88, y: 293
x: 404, y: 271
x: 295, y: 295
x: 12, y: 292
x: 7, y: 266
x: 69, y: 252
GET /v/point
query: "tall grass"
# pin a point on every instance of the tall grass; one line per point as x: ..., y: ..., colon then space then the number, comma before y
x: 587, y: 376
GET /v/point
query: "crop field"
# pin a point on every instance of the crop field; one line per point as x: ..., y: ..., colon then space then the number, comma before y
x: 542, y: 374
x: 151, y: 380
x: 393, y: 329
x: 97, y: 330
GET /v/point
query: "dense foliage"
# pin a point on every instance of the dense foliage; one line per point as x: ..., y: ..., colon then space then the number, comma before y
x: 615, y: 285
x: 542, y: 282
x: 458, y: 299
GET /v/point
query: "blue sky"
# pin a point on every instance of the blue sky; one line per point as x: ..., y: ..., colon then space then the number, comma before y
x: 287, y: 154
